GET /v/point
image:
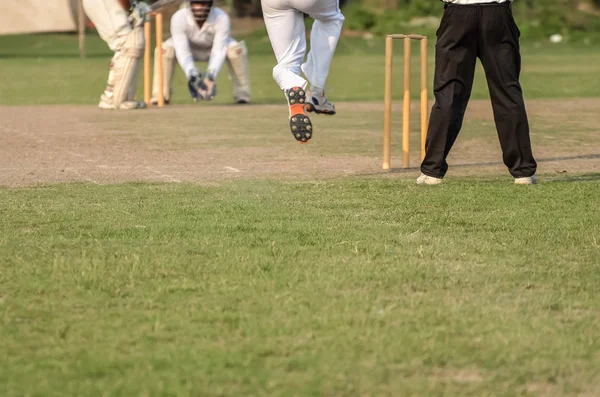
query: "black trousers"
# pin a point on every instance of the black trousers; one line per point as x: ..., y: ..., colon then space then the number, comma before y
x: 487, y: 32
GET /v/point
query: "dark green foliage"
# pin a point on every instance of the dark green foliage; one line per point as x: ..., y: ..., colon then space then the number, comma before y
x: 359, y: 17
x: 537, y: 19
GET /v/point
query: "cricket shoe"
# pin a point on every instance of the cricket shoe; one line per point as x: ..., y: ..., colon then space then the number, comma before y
x: 527, y: 180
x: 106, y: 103
x: 319, y: 104
x: 300, y: 124
x: 428, y: 180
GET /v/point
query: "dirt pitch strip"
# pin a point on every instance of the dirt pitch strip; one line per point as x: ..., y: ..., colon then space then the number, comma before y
x: 208, y: 144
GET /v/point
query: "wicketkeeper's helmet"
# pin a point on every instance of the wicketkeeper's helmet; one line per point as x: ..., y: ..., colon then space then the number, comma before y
x: 201, y: 14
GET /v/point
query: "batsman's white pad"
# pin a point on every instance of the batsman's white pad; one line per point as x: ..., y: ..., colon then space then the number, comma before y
x: 237, y: 62
x: 110, y: 83
x: 126, y: 67
x: 168, y: 59
x: 132, y: 87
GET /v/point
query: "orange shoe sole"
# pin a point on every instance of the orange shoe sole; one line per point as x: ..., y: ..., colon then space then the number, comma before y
x: 300, y: 124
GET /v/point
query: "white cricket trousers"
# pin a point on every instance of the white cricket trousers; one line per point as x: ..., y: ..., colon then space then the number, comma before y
x: 110, y: 20
x: 285, y: 25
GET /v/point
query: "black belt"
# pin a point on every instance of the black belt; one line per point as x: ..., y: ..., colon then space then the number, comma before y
x: 505, y: 4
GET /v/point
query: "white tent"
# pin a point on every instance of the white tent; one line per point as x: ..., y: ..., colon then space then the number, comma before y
x: 34, y: 16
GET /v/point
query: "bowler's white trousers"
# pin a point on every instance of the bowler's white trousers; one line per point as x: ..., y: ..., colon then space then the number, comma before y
x: 285, y: 25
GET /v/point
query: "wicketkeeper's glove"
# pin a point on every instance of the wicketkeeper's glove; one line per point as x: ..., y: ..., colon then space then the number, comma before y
x: 210, y: 87
x: 195, y: 85
x: 202, y: 88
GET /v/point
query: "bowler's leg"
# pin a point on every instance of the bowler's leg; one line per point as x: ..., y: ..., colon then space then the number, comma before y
x: 285, y: 26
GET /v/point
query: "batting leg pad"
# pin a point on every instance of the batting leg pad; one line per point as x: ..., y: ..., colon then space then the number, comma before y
x: 126, y: 67
x: 131, y: 90
x: 110, y: 84
x: 168, y: 60
x: 237, y: 62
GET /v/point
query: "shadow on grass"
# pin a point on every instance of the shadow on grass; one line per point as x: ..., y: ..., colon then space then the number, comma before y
x: 591, y: 156
x: 574, y: 178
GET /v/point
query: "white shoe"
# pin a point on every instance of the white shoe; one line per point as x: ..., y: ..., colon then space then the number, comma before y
x: 527, y: 180
x: 107, y: 104
x: 131, y: 105
x: 319, y: 104
x: 428, y: 180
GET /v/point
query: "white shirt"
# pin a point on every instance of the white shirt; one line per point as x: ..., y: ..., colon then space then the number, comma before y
x: 474, y: 1
x: 213, y: 36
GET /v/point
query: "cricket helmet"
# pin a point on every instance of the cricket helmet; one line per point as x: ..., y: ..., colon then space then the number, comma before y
x: 200, y: 9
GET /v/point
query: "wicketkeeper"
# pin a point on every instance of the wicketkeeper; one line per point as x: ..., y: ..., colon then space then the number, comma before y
x: 200, y: 33
x: 124, y: 35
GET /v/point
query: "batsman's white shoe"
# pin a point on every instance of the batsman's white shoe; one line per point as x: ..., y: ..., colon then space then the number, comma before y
x: 319, y: 104
x: 131, y: 105
x: 428, y: 180
x: 527, y: 180
x: 300, y: 124
x: 107, y: 103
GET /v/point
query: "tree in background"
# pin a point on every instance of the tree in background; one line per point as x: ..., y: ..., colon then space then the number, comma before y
x: 245, y: 8
x: 537, y: 18
x: 577, y: 20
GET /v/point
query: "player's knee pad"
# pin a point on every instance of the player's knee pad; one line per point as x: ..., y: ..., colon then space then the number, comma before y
x: 134, y: 44
x: 168, y: 52
x: 168, y: 60
x: 231, y: 42
x: 125, y: 71
x: 237, y: 59
x: 126, y: 68
x: 237, y: 52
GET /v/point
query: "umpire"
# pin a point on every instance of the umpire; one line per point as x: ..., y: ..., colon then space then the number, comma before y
x: 483, y: 29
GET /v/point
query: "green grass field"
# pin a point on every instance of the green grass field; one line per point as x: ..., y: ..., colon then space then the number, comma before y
x: 360, y: 285
x: 357, y: 71
x: 354, y: 287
